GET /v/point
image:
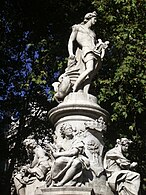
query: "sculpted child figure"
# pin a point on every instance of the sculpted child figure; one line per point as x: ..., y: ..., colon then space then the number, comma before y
x: 120, y: 175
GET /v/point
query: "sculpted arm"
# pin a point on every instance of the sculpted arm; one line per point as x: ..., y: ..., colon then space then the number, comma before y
x: 123, y: 162
x: 69, y: 153
x: 70, y: 42
x: 126, y: 164
x: 39, y: 154
x: 35, y: 161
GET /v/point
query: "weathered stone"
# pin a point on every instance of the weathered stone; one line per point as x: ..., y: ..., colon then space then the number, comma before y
x: 73, y: 163
x: 88, y: 122
x: 121, y: 177
x: 66, y: 191
x: 77, y: 106
x: 32, y: 175
x: 85, y: 63
x: 100, y: 190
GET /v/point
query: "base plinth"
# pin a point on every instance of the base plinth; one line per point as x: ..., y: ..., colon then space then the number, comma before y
x: 71, y: 191
x: 65, y: 191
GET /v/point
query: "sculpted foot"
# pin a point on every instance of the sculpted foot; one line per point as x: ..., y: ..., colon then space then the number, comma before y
x: 74, y: 88
x: 59, y: 184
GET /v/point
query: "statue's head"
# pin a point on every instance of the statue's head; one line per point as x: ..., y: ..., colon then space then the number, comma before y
x: 124, y: 143
x: 30, y: 143
x: 101, y: 119
x: 88, y: 16
x: 66, y: 130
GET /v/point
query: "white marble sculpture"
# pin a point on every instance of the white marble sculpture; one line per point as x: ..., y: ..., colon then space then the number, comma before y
x: 32, y: 175
x: 121, y: 177
x: 85, y: 63
x: 74, y: 159
x: 78, y: 153
x: 69, y: 159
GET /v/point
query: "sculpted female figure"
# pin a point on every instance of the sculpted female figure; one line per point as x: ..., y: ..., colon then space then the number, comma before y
x: 69, y: 160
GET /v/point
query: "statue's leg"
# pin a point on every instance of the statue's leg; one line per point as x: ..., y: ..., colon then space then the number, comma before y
x: 87, y: 72
x: 88, y: 81
x: 128, y: 183
x: 132, y: 182
x: 87, y: 86
x: 19, y: 187
x: 21, y: 191
x: 70, y: 173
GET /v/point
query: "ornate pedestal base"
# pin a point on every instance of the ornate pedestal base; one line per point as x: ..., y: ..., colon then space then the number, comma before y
x: 101, y: 190
x: 77, y: 106
x: 88, y: 120
x: 80, y: 110
x: 65, y: 191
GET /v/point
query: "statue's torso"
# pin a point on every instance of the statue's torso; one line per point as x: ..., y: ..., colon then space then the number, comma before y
x: 86, y: 38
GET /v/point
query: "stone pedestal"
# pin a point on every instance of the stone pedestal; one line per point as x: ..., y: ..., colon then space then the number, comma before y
x: 77, y: 106
x: 101, y: 190
x: 77, y: 109
x: 88, y: 121
x: 65, y: 191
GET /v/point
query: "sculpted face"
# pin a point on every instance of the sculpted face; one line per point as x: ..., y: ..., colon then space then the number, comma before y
x: 68, y: 131
x: 93, y: 20
x: 124, y: 147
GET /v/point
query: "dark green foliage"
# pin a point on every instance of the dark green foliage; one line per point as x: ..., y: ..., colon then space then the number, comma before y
x: 33, y: 50
x: 121, y: 84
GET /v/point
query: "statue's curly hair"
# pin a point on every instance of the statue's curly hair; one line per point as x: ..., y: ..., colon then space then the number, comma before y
x: 62, y: 129
x: 29, y: 141
x: 123, y: 141
x: 88, y: 16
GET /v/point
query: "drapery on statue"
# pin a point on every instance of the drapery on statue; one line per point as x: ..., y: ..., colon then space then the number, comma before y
x: 121, y: 178
x: 69, y: 161
x: 35, y: 171
x: 82, y: 66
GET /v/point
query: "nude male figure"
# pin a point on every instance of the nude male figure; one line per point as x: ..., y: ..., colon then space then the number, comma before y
x: 86, y: 39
